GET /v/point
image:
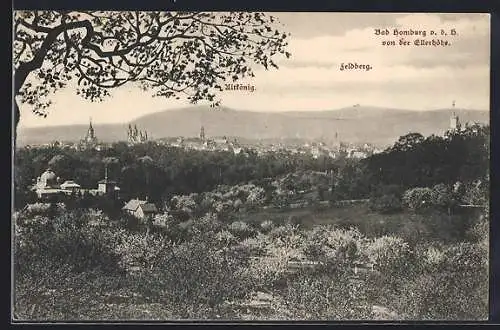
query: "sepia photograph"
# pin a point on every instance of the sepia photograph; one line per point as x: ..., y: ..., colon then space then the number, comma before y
x: 250, y: 166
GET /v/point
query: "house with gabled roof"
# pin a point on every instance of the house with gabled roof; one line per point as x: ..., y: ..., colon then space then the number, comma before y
x: 70, y: 185
x: 140, y: 209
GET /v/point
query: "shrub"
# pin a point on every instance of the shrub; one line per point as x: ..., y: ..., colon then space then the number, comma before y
x: 339, y: 248
x: 465, y: 256
x: 196, y: 279
x: 385, y: 204
x: 476, y: 193
x: 442, y: 196
x: 480, y: 232
x: 183, y: 231
x: 434, y: 256
x: 257, y: 246
x: 294, y: 221
x: 67, y: 239
x: 386, y: 199
x: 283, y: 231
x: 225, y: 238
x: 256, y: 195
x: 268, y: 273
x: 50, y: 291
x: 165, y: 220
x: 418, y: 199
x: 37, y: 209
x: 209, y: 223
x: 237, y: 204
x: 140, y: 250
x: 63, y: 264
x: 269, y: 270
x: 326, y: 298
x: 455, y: 289
x: 438, y: 197
x: 23, y: 197
x: 267, y: 226
x: 185, y: 204
x: 130, y: 222
x: 451, y: 282
x: 241, y: 229
x: 390, y: 254
x: 45, y: 209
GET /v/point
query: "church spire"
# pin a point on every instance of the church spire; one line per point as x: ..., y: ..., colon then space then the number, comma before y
x: 91, y: 129
x: 454, y: 119
x: 202, y: 133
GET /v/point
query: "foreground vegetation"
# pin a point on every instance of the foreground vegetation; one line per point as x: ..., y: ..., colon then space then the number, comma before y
x: 81, y: 265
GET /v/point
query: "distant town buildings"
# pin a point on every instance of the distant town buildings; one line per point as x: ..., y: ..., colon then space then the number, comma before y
x: 90, y: 140
x: 455, y: 122
x: 315, y: 149
x: 135, y: 136
x: 456, y: 125
x: 202, y: 133
x: 48, y: 186
x: 357, y: 154
x: 330, y: 148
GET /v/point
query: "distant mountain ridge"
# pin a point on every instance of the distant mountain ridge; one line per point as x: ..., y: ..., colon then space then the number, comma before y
x: 376, y: 125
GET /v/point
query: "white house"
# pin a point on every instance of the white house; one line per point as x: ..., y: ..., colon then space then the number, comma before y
x: 70, y: 185
x: 140, y: 209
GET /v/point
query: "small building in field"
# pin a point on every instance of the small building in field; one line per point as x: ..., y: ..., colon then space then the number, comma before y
x: 50, y: 194
x: 107, y: 187
x: 47, y: 187
x: 47, y: 180
x: 70, y: 185
x: 140, y: 209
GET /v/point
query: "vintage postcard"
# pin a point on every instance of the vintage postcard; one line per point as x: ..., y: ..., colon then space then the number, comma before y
x: 250, y: 166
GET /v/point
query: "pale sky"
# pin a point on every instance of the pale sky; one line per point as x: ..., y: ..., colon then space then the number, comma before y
x: 418, y: 78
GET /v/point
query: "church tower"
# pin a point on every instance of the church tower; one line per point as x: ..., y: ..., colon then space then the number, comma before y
x: 90, y: 140
x: 130, y: 134
x: 202, y: 133
x: 454, y: 120
x: 90, y: 133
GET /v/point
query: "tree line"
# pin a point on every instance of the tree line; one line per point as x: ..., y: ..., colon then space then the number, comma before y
x: 157, y: 171
x: 160, y: 171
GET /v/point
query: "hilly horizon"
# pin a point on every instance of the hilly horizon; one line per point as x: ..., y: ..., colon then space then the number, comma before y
x: 377, y: 125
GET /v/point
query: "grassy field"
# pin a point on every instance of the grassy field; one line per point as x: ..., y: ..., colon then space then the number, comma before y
x: 408, y: 225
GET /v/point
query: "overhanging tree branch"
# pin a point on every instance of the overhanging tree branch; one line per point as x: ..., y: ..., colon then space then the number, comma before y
x: 169, y: 53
